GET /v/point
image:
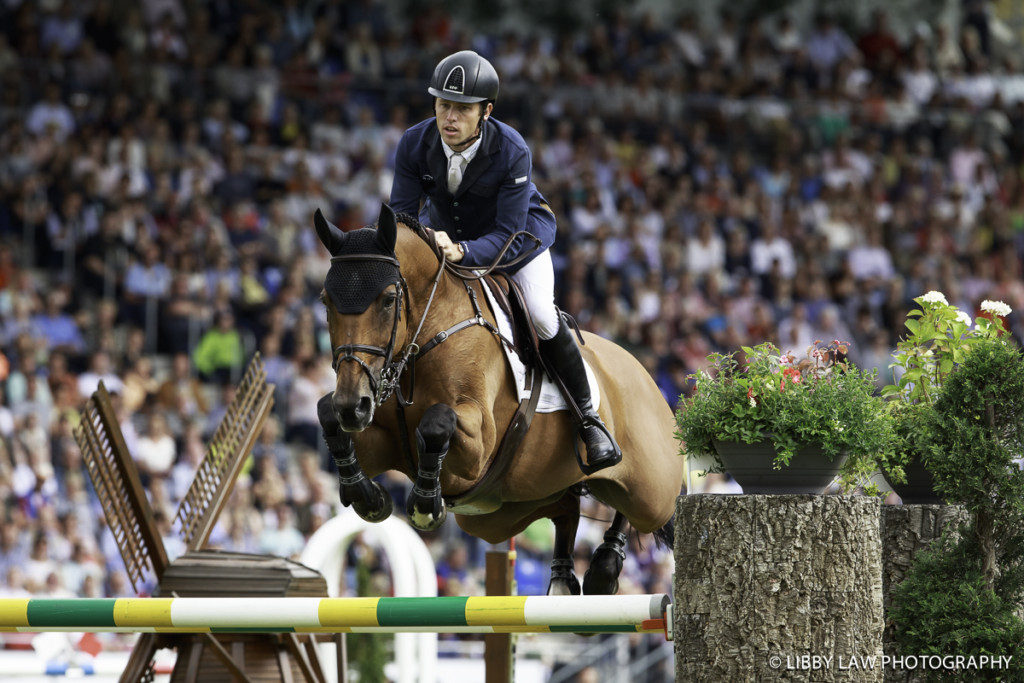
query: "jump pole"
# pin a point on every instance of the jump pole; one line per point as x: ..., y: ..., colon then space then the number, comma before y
x: 486, y: 614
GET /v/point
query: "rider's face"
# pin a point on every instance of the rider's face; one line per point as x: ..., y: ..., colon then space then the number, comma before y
x: 457, y: 121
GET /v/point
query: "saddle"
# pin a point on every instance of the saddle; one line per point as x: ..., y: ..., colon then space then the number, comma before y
x: 511, y: 300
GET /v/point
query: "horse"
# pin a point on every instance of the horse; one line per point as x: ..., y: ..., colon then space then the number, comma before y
x: 390, y: 296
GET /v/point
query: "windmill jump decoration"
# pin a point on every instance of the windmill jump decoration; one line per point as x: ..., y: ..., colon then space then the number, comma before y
x: 199, y: 572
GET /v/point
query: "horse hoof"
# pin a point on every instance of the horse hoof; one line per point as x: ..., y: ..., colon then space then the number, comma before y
x: 602, y: 577
x: 430, y: 520
x: 380, y: 509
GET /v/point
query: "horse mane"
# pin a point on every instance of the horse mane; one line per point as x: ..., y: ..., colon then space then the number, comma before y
x: 423, y: 232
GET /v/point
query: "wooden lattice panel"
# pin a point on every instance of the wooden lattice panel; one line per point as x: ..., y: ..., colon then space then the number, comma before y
x: 227, y: 450
x: 116, y: 480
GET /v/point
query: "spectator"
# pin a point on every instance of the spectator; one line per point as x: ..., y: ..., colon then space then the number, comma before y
x: 51, y: 115
x: 58, y: 329
x: 219, y: 354
x: 99, y: 371
x: 306, y: 390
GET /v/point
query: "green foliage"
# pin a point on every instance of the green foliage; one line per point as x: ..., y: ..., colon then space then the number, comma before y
x: 814, y: 401
x: 940, y: 336
x: 942, y: 607
x: 980, y: 430
x: 367, y: 651
x: 962, y: 596
x: 914, y: 426
x: 938, y: 341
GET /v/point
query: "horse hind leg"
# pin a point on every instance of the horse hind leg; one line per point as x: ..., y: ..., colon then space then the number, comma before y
x: 367, y: 498
x: 602, y: 577
x: 563, y: 579
x: 426, y: 506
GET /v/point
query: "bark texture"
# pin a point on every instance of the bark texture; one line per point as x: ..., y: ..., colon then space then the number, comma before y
x: 906, y: 530
x: 762, y: 577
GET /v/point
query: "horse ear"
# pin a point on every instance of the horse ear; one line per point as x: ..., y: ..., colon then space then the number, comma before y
x: 387, y: 229
x: 328, y: 233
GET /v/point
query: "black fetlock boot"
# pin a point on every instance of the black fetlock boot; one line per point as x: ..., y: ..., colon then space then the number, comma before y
x: 367, y: 497
x: 562, y: 357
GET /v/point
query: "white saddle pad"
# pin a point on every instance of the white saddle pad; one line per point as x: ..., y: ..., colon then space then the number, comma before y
x: 550, y: 397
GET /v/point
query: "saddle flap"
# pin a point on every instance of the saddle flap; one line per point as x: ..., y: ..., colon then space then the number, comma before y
x: 511, y: 300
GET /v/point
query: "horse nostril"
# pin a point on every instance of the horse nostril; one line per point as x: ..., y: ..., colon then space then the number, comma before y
x: 365, y: 405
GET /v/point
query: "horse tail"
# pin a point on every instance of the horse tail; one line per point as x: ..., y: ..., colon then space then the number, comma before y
x: 666, y: 535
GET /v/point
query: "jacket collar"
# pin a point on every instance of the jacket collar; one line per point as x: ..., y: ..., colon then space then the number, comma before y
x: 437, y: 160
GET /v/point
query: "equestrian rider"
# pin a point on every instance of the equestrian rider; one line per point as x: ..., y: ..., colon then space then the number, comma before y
x: 475, y: 175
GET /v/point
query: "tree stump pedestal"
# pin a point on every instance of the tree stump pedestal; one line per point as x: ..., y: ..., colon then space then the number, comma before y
x: 765, y: 584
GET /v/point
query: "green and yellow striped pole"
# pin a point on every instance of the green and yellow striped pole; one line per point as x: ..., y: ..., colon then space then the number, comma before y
x: 486, y: 614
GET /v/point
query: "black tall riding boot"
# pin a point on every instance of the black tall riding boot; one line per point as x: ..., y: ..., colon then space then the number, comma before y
x: 562, y: 356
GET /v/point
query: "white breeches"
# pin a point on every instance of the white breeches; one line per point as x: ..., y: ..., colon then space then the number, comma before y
x: 537, y: 280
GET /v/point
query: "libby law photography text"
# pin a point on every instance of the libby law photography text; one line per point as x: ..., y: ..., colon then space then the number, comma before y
x: 870, y: 662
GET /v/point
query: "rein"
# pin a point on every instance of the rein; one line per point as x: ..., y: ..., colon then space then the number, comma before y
x: 472, y: 273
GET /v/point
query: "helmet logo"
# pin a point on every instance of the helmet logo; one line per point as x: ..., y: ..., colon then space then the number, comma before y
x: 456, y: 81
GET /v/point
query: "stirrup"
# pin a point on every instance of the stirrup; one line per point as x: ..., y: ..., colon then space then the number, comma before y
x: 586, y: 467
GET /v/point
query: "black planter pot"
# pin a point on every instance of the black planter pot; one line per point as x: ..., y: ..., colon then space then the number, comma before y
x: 750, y: 464
x: 918, y: 489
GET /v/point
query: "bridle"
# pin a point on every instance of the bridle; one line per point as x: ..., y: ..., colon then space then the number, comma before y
x: 391, y: 372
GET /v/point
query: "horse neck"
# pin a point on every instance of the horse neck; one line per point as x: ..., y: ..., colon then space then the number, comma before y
x: 419, y: 267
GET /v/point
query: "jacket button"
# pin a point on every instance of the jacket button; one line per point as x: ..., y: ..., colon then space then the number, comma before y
x: 455, y: 203
x: 458, y: 232
x: 456, y: 219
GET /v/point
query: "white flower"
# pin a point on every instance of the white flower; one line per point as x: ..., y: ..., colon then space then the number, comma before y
x: 964, y: 318
x: 996, y: 307
x: 934, y: 297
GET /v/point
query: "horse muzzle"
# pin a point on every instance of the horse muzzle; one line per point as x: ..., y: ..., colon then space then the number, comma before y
x: 354, y: 416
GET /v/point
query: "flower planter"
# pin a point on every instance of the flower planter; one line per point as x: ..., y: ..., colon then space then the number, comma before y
x: 918, y: 489
x: 752, y: 466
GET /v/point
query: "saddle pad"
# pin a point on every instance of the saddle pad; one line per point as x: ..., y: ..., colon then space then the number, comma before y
x: 550, y: 397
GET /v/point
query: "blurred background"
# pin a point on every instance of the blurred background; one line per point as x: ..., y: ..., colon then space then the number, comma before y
x: 723, y: 173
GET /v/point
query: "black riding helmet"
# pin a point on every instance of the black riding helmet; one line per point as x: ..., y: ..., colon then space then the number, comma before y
x: 464, y: 77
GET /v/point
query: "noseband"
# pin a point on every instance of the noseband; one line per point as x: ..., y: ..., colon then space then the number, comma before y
x: 392, y: 369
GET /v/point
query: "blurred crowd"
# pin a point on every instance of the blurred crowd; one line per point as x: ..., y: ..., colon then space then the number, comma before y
x: 715, y: 185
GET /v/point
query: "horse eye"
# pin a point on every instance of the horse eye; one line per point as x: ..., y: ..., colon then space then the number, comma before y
x: 389, y: 301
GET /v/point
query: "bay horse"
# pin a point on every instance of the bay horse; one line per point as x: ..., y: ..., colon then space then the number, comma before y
x: 390, y: 298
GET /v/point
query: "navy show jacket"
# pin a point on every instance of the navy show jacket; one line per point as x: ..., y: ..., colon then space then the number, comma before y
x: 496, y: 198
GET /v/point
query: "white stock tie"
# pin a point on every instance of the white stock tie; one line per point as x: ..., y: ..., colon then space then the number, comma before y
x: 455, y: 166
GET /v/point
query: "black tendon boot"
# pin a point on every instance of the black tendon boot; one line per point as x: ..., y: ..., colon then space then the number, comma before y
x: 562, y: 356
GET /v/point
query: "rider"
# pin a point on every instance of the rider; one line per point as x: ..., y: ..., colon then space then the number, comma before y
x: 475, y: 175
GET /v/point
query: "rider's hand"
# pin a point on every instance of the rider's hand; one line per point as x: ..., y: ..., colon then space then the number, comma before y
x: 452, y: 251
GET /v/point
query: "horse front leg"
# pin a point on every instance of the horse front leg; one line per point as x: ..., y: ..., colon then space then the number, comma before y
x: 426, y: 506
x: 367, y: 497
x: 563, y: 579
